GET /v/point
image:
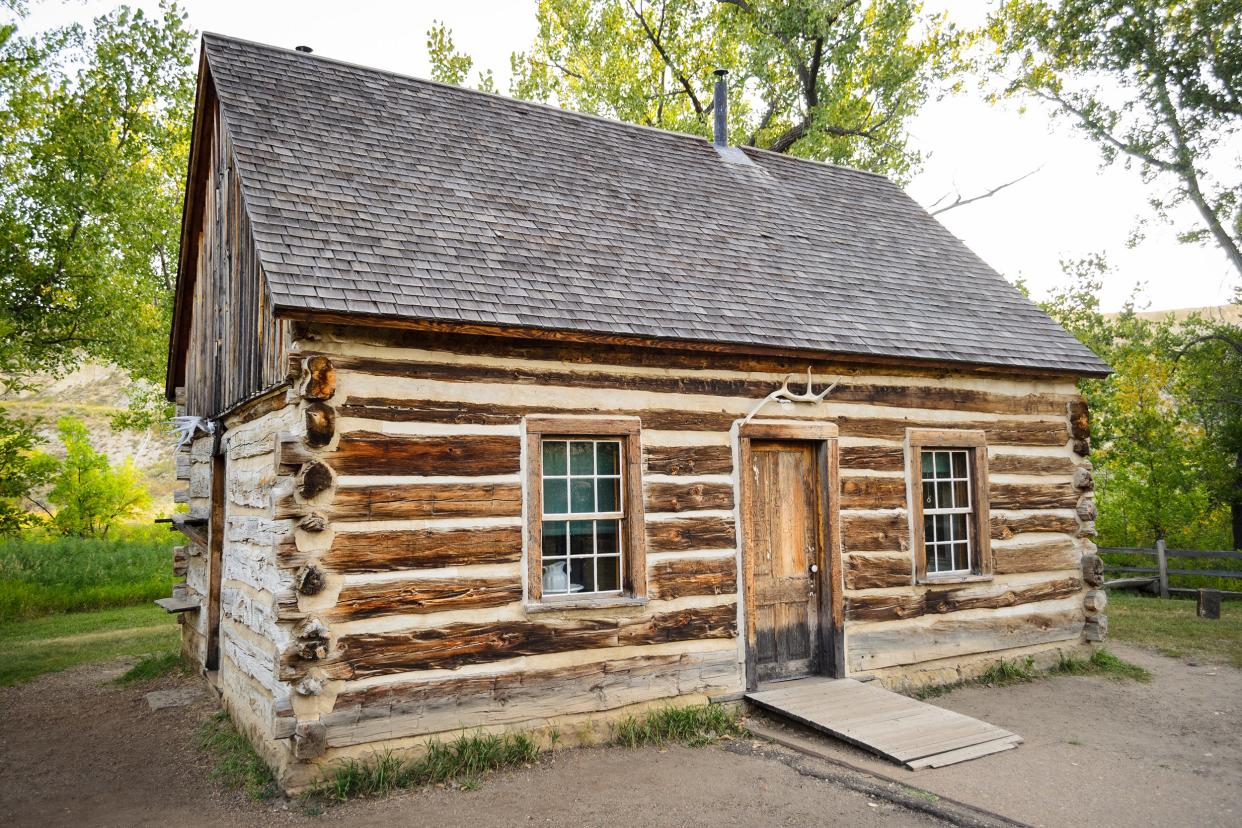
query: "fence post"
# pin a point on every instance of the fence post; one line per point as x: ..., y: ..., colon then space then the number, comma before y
x: 1163, y: 564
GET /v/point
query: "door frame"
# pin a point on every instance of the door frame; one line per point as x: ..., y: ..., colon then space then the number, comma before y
x: 215, y: 557
x: 831, y: 580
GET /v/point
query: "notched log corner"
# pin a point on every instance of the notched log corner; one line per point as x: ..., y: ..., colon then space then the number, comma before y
x: 1095, y: 601
x: 310, y: 740
x: 314, y: 478
x: 314, y: 522
x: 311, y: 642
x: 1093, y: 570
x: 1096, y: 628
x: 1084, y: 481
x: 1086, y: 509
x: 320, y: 379
x: 310, y: 580
x: 320, y: 424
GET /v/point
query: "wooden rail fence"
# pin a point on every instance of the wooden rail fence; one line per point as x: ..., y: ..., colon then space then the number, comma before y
x: 1158, y: 576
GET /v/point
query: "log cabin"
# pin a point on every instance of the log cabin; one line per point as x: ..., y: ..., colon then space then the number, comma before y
x: 505, y: 417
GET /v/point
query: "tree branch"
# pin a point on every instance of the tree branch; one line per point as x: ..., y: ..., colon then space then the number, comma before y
x: 962, y: 202
x: 668, y: 61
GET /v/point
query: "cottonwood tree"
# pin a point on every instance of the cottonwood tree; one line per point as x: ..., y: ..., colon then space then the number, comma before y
x: 833, y: 80
x: 94, y: 134
x: 1155, y: 83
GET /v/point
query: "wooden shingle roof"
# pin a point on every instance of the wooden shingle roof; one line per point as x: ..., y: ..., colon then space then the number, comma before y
x: 378, y: 195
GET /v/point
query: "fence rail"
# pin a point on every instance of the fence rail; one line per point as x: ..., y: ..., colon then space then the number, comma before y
x: 1160, y: 572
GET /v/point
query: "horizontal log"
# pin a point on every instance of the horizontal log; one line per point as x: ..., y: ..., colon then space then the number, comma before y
x: 999, y: 432
x: 469, y: 413
x: 687, y: 497
x: 688, y: 460
x: 366, y: 452
x: 420, y: 596
x: 1006, y: 527
x: 873, y: 492
x: 874, y: 533
x: 1030, y: 464
x: 924, y: 639
x: 408, y: 501
x: 873, y: 458
x: 391, y: 711
x: 693, y: 576
x: 1032, y: 496
x: 423, y: 549
x: 901, y: 396
x: 684, y: 534
x: 939, y: 600
x: 876, y: 571
x: 1045, y: 556
x: 456, y: 645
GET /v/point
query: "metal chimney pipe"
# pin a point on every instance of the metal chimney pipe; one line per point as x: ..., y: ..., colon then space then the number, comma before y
x: 720, y: 109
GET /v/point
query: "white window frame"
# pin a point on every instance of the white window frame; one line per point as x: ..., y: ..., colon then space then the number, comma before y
x: 929, y: 545
x: 594, y: 517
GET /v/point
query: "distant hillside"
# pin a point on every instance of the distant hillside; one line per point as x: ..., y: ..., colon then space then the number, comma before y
x: 93, y: 393
x: 1229, y: 314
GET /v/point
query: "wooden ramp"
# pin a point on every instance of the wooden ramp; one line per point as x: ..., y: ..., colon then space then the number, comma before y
x: 896, y: 727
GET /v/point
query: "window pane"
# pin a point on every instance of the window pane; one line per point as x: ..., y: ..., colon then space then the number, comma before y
x: 582, y: 495
x: 554, y: 457
x: 608, y: 574
x: 942, y: 527
x: 555, y: 501
x: 927, y: 464
x: 581, y: 457
x: 581, y: 575
x: 929, y: 495
x: 959, y: 527
x: 606, y: 537
x: 554, y: 540
x: 555, y: 579
x: 942, y: 464
x: 961, y: 496
x: 959, y: 464
x: 961, y: 556
x: 929, y: 529
x: 581, y: 540
x: 940, y: 554
x: 609, y: 489
x: 607, y: 458
x: 944, y: 496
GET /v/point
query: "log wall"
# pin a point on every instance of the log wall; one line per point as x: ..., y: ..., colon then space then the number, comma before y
x: 383, y: 597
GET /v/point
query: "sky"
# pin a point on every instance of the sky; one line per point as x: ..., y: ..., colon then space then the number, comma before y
x: 1067, y: 210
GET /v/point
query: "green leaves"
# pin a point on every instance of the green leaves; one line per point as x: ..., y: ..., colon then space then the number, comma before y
x: 94, y: 137
x: 833, y: 80
x: 1157, y: 83
x: 90, y: 495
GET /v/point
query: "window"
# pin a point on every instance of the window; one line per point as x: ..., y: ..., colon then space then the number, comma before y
x: 584, y: 510
x: 582, y: 517
x: 950, y: 525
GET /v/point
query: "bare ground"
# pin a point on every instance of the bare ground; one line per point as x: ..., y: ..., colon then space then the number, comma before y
x: 75, y: 750
x: 1099, y: 751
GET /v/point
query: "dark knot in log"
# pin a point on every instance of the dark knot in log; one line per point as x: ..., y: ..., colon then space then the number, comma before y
x: 320, y: 424
x: 314, y: 479
x: 320, y: 379
x: 310, y: 580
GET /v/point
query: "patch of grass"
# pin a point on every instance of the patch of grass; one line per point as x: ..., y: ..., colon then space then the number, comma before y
x: 921, y: 794
x: 234, y: 762
x: 1004, y: 673
x: 45, y: 645
x: 463, y: 760
x: 155, y: 665
x: 1101, y: 663
x: 1171, y: 627
x: 694, y: 726
x: 42, y: 574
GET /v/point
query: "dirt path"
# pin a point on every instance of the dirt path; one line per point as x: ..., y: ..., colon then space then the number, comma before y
x: 76, y: 751
x: 1100, y: 752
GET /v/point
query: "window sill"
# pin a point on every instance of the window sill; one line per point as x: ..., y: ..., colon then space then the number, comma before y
x: 953, y: 579
x: 606, y: 602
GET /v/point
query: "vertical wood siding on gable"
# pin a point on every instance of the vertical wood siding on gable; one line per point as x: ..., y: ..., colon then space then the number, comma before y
x: 236, y: 345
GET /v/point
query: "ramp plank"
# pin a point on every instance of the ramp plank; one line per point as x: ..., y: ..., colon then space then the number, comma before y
x: 899, y: 728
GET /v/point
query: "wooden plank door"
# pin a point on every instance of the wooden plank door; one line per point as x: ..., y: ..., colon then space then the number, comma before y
x: 785, y: 559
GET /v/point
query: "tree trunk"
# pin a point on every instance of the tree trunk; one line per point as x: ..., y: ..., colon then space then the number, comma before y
x: 1235, y: 501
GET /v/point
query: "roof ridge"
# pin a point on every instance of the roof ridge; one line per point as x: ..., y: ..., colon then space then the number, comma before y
x: 538, y: 105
